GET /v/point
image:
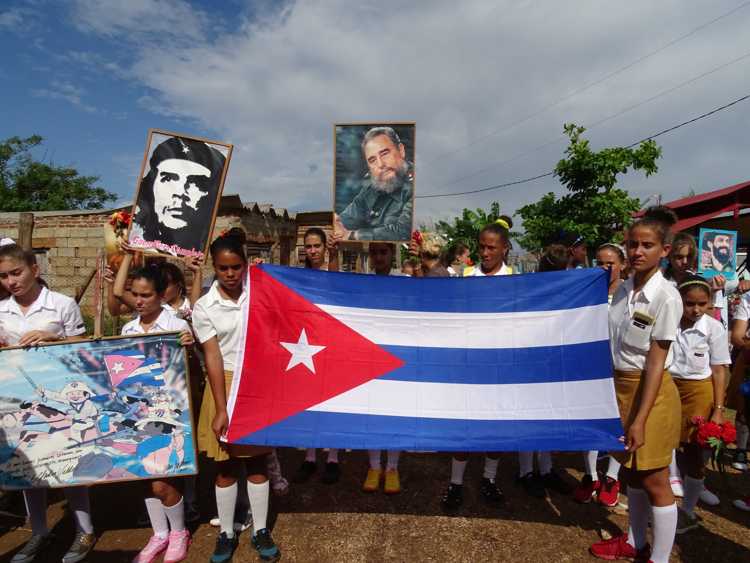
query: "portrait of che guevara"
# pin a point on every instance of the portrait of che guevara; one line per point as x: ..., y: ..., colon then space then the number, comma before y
x: 178, y: 194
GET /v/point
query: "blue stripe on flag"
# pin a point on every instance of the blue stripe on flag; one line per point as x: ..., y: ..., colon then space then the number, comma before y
x: 497, y: 294
x: 545, y: 364
x: 357, y: 431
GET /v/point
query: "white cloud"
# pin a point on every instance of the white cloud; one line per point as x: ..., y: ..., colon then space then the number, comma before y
x: 64, y: 90
x: 462, y: 71
x: 152, y: 20
x: 12, y: 18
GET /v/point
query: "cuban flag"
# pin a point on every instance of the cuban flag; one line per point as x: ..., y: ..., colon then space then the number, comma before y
x: 131, y: 366
x: 499, y: 363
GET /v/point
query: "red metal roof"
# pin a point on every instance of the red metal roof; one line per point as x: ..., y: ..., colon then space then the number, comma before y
x: 696, y: 209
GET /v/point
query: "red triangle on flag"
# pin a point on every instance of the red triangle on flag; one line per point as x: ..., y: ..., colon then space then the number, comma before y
x: 120, y: 367
x: 277, y: 379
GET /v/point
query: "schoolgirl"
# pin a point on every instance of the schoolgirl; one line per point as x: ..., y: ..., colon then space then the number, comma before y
x: 316, y: 243
x: 612, y: 258
x: 554, y: 258
x: 493, y: 244
x: 643, y: 321
x: 735, y: 400
x: 177, y: 300
x: 457, y: 258
x: 217, y: 322
x: 701, y: 353
x: 31, y: 315
x: 381, y: 260
x: 165, y: 509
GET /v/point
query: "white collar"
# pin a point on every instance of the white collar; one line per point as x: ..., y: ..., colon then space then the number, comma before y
x: 43, y: 301
x: 701, y: 325
x: 649, y: 290
x: 214, y: 296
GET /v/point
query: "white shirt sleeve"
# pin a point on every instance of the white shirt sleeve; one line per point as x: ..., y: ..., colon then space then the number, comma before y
x: 72, y: 320
x: 667, y: 320
x: 741, y: 311
x: 718, y: 341
x: 202, y: 326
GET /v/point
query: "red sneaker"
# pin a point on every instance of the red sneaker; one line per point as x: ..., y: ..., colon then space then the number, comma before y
x: 586, y: 489
x: 619, y: 548
x: 609, y: 494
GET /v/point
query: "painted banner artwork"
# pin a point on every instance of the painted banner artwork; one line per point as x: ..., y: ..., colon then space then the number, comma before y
x: 500, y: 363
x: 95, y: 411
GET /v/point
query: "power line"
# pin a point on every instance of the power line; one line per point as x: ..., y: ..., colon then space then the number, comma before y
x: 591, y: 84
x: 600, y: 121
x: 539, y: 176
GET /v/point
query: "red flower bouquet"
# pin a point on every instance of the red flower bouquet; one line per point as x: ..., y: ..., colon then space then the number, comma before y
x: 714, y: 437
x: 120, y: 221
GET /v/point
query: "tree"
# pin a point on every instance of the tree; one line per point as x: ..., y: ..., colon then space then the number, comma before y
x: 27, y: 184
x: 593, y: 207
x: 466, y: 227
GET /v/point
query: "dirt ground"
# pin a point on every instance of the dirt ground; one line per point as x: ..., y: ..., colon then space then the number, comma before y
x: 318, y: 522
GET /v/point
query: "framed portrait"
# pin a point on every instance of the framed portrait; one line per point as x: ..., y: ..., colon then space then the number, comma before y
x: 717, y: 253
x: 373, y: 181
x: 178, y: 194
x: 95, y: 411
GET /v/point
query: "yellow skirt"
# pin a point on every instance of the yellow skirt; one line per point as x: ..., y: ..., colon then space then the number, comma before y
x: 662, y: 434
x: 697, y: 398
x: 207, y: 442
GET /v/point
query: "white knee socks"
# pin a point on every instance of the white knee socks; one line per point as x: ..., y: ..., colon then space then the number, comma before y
x: 226, y: 499
x: 490, y: 468
x: 176, y: 516
x: 157, y: 516
x: 589, y: 460
x: 258, y: 496
x: 375, y: 459
x: 457, y: 471
x: 693, y: 488
x: 665, y: 527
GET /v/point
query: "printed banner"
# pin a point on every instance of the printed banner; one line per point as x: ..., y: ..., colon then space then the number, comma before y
x: 499, y: 363
x: 87, y: 412
x: 718, y: 253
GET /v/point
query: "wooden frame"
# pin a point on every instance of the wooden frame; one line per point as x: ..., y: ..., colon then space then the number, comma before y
x: 410, y: 147
x: 139, y: 431
x: 159, y: 247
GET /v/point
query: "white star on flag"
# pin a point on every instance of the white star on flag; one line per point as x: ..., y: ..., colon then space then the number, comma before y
x: 302, y: 352
x: 118, y: 367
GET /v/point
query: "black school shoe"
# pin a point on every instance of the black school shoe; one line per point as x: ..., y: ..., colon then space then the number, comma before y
x: 490, y: 491
x: 453, y: 498
x: 305, y: 471
x: 331, y: 473
x: 265, y: 546
x: 533, y: 485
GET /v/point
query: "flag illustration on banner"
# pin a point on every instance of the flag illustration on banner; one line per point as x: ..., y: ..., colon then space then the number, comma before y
x: 498, y: 363
x: 131, y: 366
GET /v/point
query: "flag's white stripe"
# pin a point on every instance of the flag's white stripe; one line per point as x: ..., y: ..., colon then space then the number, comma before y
x: 476, y: 330
x: 575, y: 400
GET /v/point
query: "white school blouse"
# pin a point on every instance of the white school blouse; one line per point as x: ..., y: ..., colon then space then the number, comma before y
x: 699, y: 347
x: 215, y: 316
x: 51, y: 311
x: 505, y: 270
x: 165, y: 322
x: 635, y: 319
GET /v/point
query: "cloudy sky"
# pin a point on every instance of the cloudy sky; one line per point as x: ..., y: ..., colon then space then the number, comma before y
x: 489, y: 85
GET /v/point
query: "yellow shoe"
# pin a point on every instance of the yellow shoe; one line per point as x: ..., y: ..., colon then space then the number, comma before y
x: 373, y: 480
x: 392, y: 482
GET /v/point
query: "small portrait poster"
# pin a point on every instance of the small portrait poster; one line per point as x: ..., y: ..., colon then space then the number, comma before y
x: 86, y: 412
x: 373, y: 181
x: 178, y: 195
x: 717, y: 253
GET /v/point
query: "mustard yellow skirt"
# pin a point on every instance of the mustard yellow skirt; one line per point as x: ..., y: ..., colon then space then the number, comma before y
x: 662, y: 433
x: 697, y: 398
x: 207, y: 442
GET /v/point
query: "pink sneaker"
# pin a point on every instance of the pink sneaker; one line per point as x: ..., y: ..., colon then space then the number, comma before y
x: 178, y: 546
x: 152, y: 550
